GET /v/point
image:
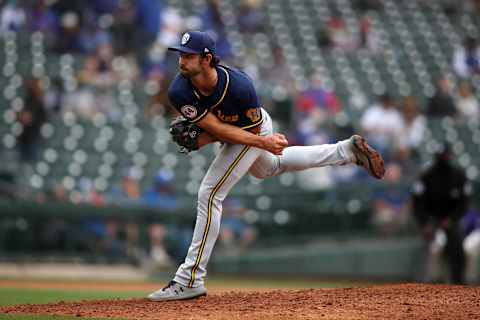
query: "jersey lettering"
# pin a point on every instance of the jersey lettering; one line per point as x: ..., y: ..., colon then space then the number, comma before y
x: 226, y: 118
x: 254, y: 114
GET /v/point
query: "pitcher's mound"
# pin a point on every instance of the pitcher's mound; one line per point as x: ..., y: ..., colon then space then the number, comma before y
x: 407, y: 301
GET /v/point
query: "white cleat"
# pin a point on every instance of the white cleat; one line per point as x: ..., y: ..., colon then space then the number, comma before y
x: 176, y: 291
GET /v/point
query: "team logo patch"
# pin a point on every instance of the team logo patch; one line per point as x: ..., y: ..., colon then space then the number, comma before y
x: 189, y: 111
x: 185, y: 38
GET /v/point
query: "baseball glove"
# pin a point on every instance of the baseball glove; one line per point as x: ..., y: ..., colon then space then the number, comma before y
x: 185, y: 134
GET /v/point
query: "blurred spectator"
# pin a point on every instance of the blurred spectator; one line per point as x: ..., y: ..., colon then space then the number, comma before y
x: 278, y: 73
x: 148, y: 22
x: 113, y: 246
x: 31, y: 117
x: 157, y: 234
x: 391, y: 205
x: 172, y: 24
x: 212, y: 22
x: 338, y: 33
x: 323, y: 38
x: 162, y: 194
x: 178, y: 241
x: 92, y: 231
x: 58, y: 193
x: 88, y: 193
x: 54, y: 97
x: 224, y: 48
x: 212, y: 17
x: 369, y: 37
x: 466, y: 102
x: 442, y: 103
x: 123, y: 29
x: 314, y: 106
x: 466, y: 59
x: 92, y: 36
x: 12, y: 16
x: 68, y: 37
x: 132, y: 242
x: 158, y: 105
x: 368, y: 4
x: 96, y: 79
x: 471, y: 245
x: 470, y: 225
x: 98, y: 70
x: 413, y: 129
x: 382, y: 124
x: 43, y: 18
x: 158, y: 60
x: 130, y: 186
x: 128, y: 192
x: 235, y: 233
x: 440, y: 199
x: 275, y: 86
x: 365, y: 25
x: 103, y: 237
x: 250, y: 17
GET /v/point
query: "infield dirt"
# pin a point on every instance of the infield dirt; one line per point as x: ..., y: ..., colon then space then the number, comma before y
x: 405, y: 301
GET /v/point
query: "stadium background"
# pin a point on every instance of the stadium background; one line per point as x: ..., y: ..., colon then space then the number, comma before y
x: 90, y: 176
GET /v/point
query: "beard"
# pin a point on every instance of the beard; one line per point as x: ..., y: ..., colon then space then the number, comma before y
x: 189, y: 73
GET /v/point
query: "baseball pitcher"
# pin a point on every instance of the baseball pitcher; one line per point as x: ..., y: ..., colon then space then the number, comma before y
x: 218, y: 103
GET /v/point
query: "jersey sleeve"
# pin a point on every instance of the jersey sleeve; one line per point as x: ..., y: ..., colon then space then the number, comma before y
x: 183, y: 99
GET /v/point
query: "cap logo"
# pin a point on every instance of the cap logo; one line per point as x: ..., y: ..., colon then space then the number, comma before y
x: 206, y: 50
x: 185, y: 38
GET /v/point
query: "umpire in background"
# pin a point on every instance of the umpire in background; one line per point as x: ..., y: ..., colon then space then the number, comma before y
x: 440, y: 199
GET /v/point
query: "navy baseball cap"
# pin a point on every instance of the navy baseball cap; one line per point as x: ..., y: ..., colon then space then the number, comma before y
x: 196, y: 42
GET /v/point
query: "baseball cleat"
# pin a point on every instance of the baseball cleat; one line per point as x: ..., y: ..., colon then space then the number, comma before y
x: 367, y: 157
x: 176, y: 291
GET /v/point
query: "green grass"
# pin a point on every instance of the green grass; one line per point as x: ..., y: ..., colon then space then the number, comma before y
x: 12, y: 296
x: 17, y: 317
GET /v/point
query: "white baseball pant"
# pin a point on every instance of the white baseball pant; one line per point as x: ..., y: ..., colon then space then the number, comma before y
x: 230, y: 165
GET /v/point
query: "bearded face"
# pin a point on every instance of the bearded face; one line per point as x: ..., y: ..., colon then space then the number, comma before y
x: 190, y: 64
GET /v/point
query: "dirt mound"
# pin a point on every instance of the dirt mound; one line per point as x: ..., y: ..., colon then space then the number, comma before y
x: 407, y: 301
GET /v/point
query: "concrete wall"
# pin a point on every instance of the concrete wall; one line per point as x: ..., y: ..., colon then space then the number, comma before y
x: 395, y: 259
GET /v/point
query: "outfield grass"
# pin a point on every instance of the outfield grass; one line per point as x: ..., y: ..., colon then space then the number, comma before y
x: 17, y: 317
x: 12, y: 296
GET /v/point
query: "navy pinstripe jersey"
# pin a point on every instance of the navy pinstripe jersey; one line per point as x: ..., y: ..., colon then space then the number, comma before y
x: 233, y: 101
